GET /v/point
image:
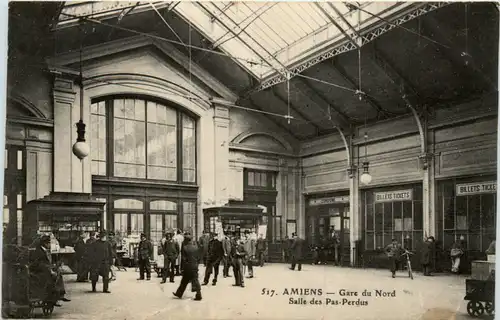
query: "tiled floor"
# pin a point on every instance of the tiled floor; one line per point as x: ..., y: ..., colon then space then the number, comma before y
x: 437, y: 298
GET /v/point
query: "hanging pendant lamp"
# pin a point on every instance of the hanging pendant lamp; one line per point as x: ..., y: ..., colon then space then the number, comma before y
x: 81, y: 149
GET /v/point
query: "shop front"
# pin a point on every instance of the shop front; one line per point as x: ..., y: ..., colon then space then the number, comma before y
x: 327, y: 219
x: 235, y: 218
x: 391, y: 213
x: 466, y: 211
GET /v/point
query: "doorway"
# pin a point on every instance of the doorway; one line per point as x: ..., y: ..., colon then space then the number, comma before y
x: 328, y: 226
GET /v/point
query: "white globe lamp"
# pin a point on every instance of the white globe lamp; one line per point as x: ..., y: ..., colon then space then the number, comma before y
x: 81, y: 149
x: 366, y: 177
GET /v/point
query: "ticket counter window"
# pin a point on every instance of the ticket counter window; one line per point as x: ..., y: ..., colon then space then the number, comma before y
x: 394, y: 213
x: 466, y: 209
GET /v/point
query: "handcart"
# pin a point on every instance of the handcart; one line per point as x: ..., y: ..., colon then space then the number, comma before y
x: 481, y: 296
x: 20, y: 297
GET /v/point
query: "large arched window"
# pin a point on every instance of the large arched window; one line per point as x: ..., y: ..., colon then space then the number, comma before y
x: 144, y: 139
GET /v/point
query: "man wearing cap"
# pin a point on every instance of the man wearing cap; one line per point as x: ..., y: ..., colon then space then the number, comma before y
x: 203, y: 244
x: 394, y: 251
x: 190, y: 259
x: 102, y: 258
x: 215, y: 255
x: 238, y: 254
x: 170, y: 250
x: 226, y: 246
x: 179, y: 238
x: 81, y: 263
x: 45, y: 281
x: 144, y: 255
x: 249, y: 244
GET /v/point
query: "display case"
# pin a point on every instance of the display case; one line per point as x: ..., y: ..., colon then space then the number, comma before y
x: 235, y: 217
x: 65, y: 215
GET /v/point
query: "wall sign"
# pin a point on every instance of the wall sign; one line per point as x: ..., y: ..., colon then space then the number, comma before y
x: 329, y: 200
x: 476, y: 188
x: 399, y: 195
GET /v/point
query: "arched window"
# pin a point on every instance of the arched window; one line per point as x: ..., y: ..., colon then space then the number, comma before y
x: 144, y: 139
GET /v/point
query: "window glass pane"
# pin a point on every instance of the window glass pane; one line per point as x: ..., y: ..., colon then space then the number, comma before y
x: 188, y: 149
x: 379, y: 212
x: 251, y: 179
x: 19, y: 226
x: 19, y: 201
x: 189, y: 217
x: 156, y: 228
x: 163, y: 205
x: 418, y: 215
x: 136, y: 223
x: 263, y: 179
x: 120, y: 224
x: 129, y: 140
x: 98, y: 138
x: 449, y: 213
x: 19, y: 160
x: 379, y: 243
x: 388, y: 214
x: 474, y: 212
x: 369, y: 241
x: 257, y: 179
x: 369, y: 217
x: 128, y: 204
x: 162, y: 142
x: 461, y: 210
x: 170, y: 222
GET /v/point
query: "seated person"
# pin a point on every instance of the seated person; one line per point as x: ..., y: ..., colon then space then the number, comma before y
x: 46, y: 281
x: 491, y: 247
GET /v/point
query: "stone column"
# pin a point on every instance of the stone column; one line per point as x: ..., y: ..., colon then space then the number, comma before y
x: 64, y: 98
x: 301, y: 204
x: 354, y: 211
x: 221, y: 153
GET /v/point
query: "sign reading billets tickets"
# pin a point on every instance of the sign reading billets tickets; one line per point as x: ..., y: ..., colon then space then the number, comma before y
x: 399, y: 195
x: 329, y: 200
x: 476, y: 188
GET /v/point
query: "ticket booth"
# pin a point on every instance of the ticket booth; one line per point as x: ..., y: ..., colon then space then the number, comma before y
x: 235, y: 218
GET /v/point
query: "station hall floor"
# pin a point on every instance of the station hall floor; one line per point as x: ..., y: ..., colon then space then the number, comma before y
x: 437, y: 298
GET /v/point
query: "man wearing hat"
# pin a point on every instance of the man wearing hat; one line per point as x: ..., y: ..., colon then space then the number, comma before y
x: 215, y: 255
x: 102, y: 259
x: 170, y: 250
x: 394, y: 251
x: 144, y: 255
x: 45, y: 281
x: 190, y: 258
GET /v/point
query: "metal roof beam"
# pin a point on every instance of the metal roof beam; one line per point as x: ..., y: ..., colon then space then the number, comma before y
x: 335, y: 23
x: 460, y: 58
x: 249, y: 102
x: 408, y: 91
x: 292, y: 107
x: 341, y: 120
x: 342, y: 72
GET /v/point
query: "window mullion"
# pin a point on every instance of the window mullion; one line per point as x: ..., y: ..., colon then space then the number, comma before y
x: 179, y: 139
x: 110, y: 145
x: 146, y: 136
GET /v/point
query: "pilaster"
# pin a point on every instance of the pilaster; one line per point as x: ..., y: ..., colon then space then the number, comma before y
x: 221, y: 153
x: 64, y: 98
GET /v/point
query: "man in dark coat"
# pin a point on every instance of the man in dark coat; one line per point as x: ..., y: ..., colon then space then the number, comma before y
x: 428, y: 256
x: 297, y: 251
x: 203, y: 245
x: 215, y: 255
x: 261, y: 248
x: 102, y: 258
x: 114, y: 247
x: 226, y: 246
x: 144, y: 255
x: 170, y: 250
x: 45, y: 282
x: 88, y: 253
x: 190, y: 258
x: 82, y: 268
x: 239, y: 253
x: 394, y: 251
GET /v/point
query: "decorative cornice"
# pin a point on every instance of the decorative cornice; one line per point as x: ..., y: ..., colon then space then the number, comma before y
x: 237, y: 147
x: 26, y: 104
x: 130, y: 43
x: 37, y: 122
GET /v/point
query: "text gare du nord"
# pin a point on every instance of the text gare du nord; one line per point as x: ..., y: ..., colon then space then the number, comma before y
x: 348, y: 297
